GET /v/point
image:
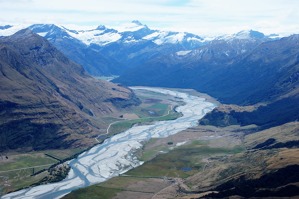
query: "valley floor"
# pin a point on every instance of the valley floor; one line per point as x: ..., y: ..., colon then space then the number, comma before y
x: 115, y: 155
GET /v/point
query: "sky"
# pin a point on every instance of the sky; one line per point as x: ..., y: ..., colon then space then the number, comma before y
x: 202, y: 17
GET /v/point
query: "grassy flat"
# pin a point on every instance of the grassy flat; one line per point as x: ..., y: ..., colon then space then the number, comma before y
x: 126, y: 124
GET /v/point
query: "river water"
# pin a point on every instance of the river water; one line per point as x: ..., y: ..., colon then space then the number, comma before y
x: 116, y: 155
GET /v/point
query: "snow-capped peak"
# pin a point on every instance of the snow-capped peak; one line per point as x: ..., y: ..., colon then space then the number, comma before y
x: 137, y: 22
x: 244, y: 34
x: 131, y: 27
x: 50, y: 31
x: 47, y: 28
x: 247, y: 34
x: 101, y: 27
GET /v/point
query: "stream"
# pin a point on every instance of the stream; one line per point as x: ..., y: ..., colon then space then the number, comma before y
x: 116, y: 154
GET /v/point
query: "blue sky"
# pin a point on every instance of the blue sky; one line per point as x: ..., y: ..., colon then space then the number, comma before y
x: 203, y: 17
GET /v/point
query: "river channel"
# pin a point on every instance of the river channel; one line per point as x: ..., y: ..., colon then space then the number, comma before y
x: 116, y: 154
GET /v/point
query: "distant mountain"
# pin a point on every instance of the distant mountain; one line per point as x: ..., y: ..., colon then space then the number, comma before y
x: 5, y: 27
x: 267, y: 73
x: 48, y: 101
x: 245, y: 34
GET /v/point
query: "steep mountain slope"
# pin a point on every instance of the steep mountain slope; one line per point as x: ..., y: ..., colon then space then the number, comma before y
x: 269, y: 71
x: 47, y: 101
x: 272, y: 76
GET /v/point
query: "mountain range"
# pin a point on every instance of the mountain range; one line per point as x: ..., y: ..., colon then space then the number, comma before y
x: 107, y: 51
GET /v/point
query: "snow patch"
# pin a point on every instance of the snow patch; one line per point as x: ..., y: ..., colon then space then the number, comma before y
x: 43, y: 34
x: 180, y: 143
x: 183, y: 53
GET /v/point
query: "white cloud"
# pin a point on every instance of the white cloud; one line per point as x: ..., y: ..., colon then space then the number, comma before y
x: 197, y: 16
